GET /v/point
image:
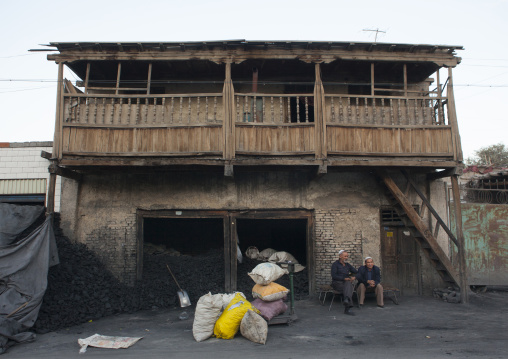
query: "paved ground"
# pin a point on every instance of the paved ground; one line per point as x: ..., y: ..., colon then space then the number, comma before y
x: 420, y: 327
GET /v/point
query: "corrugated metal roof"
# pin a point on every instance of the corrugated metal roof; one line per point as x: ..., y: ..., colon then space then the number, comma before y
x: 22, y: 186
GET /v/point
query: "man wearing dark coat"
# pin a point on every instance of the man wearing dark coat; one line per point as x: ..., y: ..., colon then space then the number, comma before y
x: 342, y: 281
x: 369, y: 280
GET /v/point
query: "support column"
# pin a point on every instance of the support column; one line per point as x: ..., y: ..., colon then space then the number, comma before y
x: 228, y: 124
x: 464, y: 288
x: 50, y: 205
x: 57, y: 138
x: 319, y: 119
x: 452, y: 117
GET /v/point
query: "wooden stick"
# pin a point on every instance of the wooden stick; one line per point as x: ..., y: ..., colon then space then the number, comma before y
x: 17, y: 310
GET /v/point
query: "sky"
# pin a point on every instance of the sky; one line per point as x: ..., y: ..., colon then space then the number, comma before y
x: 28, y: 80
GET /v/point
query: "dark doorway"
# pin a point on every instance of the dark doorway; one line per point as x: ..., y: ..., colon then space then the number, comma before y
x: 288, y: 235
x: 188, y: 236
x: 190, y: 244
x: 283, y: 231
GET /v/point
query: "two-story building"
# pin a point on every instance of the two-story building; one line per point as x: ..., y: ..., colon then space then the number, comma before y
x: 305, y: 147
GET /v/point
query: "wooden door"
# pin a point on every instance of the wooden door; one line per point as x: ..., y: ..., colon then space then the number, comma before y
x: 399, y: 260
x: 407, y: 263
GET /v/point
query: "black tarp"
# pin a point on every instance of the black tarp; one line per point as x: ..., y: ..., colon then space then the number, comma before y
x: 23, y: 279
x: 14, y: 219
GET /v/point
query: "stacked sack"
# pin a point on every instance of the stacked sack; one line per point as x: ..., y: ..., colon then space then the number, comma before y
x: 237, y: 313
x: 269, y: 296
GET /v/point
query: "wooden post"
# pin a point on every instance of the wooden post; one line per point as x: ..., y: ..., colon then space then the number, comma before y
x: 452, y: 116
x: 372, y: 79
x: 149, y: 82
x: 118, y: 73
x: 87, y: 77
x: 405, y: 80
x: 234, y: 256
x: 228, y: 124
x: 227, y: 253
x: 464, y: 288
x: 319, y: 118
x: 58, y: 114
x: 50, y: 205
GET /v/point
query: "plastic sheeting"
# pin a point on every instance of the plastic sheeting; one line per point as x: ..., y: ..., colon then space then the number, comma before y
x: 15, y: 219
x: 23, y: 281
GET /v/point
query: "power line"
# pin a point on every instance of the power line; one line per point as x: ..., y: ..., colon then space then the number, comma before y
x: 36, y: 88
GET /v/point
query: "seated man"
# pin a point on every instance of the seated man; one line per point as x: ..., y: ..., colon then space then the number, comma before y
x: 341, y: 280
x: 369, y: 278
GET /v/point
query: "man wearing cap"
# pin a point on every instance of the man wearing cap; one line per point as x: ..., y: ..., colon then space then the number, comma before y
x: 369, y: 278
x: 342, y: 281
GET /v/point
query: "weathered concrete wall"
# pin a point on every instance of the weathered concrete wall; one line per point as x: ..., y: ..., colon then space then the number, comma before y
x: 345, y: 205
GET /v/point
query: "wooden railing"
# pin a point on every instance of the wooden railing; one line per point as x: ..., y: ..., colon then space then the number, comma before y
x: 387, y: 126
x: 260, y: 125
x: 274, y: 108
x: 143, y: 125
x: 187, y: 109
x: 274, y: 124
x: 365, y: 110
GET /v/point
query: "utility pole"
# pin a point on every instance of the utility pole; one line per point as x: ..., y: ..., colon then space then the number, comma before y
x: 375, y: 30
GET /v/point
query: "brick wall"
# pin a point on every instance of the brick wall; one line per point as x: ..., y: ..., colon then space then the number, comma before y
x: 115, y: 244
x: 333, y: 233
x: 22, y: 160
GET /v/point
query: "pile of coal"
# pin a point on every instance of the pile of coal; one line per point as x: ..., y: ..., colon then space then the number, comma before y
x: 81, y: 288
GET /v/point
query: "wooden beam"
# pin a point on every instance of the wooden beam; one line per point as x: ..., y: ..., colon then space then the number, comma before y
x: 240, y: 54
x: 319, y: 118
x: 64, y: 172
x: 464, y: 293
x: 57, y: 138
x: 419, y: 225
x: 46, y: 155
x: 229, y: 122
x: 430, y: 208
x: 452, y: 117
x: 372, y: 79
x: 50, y: 206
x: 405, y: 79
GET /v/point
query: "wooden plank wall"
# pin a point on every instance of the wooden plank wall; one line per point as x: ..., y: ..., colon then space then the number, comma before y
x: 436, y: 141
x: 284, y: 139
x: 141, y: 141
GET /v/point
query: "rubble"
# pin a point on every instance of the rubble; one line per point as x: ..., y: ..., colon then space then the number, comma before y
x: 81, y: 289
x: 450, y: 295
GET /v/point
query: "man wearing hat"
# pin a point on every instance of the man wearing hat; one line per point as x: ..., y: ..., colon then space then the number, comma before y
x: 342, y: 281
x: 369, y: 278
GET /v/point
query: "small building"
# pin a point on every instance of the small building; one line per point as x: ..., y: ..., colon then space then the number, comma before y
x: 305, y: 147
x: 24, y: 176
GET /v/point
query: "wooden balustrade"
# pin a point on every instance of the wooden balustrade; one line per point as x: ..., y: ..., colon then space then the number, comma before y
x: 368, y: 110
x: 263, y: 124
x: 274, y: 108
x: 146, y: 110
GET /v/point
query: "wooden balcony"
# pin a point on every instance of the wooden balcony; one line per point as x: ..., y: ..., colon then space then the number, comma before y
x: 263, y: 126
x: 143, y: 125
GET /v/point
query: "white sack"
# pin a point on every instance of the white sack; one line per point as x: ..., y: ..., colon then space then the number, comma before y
x: 254, y: 327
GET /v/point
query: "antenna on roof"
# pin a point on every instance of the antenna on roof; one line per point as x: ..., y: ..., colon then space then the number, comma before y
x: 377, y: 31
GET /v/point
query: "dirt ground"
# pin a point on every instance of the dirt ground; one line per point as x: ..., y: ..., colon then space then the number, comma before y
x: 420, y: 327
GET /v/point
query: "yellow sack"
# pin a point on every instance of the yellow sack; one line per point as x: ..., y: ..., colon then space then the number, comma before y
x: 270, y: 292
x: 229, y: 322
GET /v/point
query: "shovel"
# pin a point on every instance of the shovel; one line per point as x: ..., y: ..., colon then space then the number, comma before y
x: 182, y: 295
